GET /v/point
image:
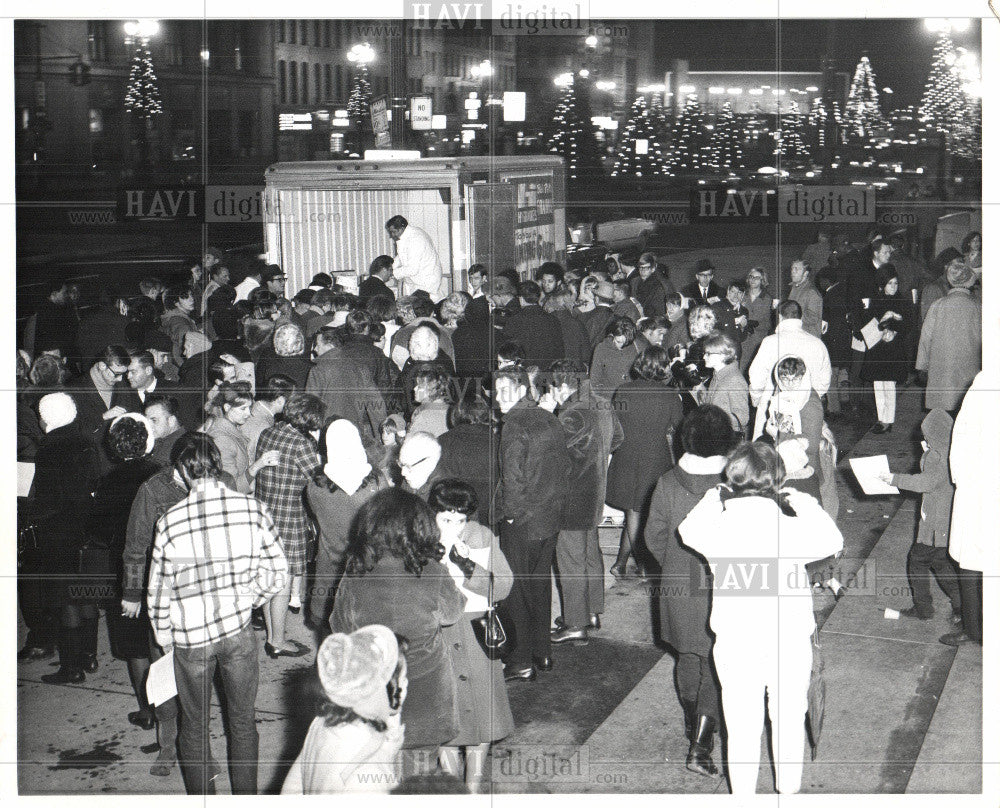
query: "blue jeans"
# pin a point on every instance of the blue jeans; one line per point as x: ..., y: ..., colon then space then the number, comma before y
x: 194, y: 669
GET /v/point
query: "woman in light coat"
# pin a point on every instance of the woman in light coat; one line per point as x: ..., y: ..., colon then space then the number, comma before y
x: 757, y: 538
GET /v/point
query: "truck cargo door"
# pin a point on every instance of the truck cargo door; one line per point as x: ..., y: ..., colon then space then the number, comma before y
x: 491, y: 207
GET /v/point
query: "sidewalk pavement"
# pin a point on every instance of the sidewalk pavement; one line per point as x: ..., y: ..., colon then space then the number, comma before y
x: 903, y: 711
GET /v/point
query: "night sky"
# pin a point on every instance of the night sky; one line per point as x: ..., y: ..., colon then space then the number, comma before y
x: 899, y: 49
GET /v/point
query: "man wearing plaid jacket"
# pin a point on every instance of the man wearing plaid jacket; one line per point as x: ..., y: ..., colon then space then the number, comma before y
x: 215, y: 557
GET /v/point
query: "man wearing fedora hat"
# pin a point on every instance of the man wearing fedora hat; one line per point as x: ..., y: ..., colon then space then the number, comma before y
x: 703, y: 291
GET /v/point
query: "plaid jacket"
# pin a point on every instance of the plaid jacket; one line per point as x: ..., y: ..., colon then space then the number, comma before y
x: 215, y: 557
x: 280, y: 487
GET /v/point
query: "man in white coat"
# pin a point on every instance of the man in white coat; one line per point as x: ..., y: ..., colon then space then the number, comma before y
x: 975, y: 514
x: 417, y: 265
x: 789, y: 337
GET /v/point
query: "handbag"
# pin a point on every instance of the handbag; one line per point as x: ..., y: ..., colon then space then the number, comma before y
x: 816, y: 696
x: 489, y: 630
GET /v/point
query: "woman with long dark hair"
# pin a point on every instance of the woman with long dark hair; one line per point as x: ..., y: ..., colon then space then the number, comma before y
x: 757, y: 537
x: 230, y: 408
x: 394, y: 577
x: 281, y: 487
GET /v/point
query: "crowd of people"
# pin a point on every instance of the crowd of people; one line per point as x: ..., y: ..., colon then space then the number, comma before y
x: 406, y: 471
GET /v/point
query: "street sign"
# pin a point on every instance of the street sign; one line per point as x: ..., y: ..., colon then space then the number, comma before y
x: 380, y: 121
x: 421, y: 116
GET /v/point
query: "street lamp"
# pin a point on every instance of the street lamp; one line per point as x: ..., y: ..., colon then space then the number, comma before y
x: 563, y: 80
x: 483, y: 70
x: 362, y: 54
x: 939, y: 24
x: 591, y: 41
x: 142, y: 30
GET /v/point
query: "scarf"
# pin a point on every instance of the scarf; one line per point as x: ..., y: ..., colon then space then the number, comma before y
x: 697, y: 465
x: 785, y: 407
x: 347, y: 462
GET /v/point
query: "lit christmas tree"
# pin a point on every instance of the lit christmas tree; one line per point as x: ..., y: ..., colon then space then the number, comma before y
x: 639, y: 153
x: 862, y: 112
x: 142, y: 96
x: 725, y: 151
x: 689, y: 149
x: 790, y: 145
x: 818, y: 118
x: 574, y: 137
x: 946, y: 106
x: 756, y: 124
x: 359, y: 102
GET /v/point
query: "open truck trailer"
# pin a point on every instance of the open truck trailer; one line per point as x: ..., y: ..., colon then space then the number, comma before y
x: 502, y: 212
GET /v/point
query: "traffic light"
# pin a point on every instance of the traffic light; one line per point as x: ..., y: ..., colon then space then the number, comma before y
x: 79, y: 74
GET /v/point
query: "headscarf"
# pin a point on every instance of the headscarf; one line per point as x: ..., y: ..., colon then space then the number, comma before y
x: 347, y: 462
x: 960, y: 276
x: 56, y: 410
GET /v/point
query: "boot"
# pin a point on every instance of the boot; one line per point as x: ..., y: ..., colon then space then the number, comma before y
x: 69, y: 671
x: 689, y: 708
x: 699, y: 757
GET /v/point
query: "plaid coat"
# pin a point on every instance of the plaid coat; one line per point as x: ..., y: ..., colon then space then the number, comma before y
x: 281, y: 489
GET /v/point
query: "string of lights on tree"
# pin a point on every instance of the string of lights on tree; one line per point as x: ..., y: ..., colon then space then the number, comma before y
x: 945, y: 106
x: 862, y: 114
x: 690, y: 146
x: 574, y: 137
x: 756, y: 124
x: 790, y: 144
x: 640, y: 153
x: 725, y: 151
x: 359, y: 102
x: 142, y: 96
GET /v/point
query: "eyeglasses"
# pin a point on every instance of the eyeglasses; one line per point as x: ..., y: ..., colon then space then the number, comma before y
x: 414, y: 464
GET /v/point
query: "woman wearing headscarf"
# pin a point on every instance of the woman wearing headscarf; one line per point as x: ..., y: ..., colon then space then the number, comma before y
x: 473, y: 557
x: 394, y: 577
x: 353, y: 744
x: 706, y: 439
x: 55, y: 508
x: 346, y: 482
x: 130, y: 439
x: 281, y: 487
x: 762, y: 611
x: 794, y: 409
x: 289, y: 358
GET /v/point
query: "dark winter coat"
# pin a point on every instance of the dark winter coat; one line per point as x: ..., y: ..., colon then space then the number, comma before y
x: 596, y: 322
x: 348, y: 389
x: 649, y: 412
x: 538, y: 332
x: 889, y: 361
x: 611, y: 367
x: 295, y: 368
x: 469, y: 452
x: 90, y: 409
x: 473, y: 351
x: 415, y: 607
x: 652, y: 294
x: 576, y: 340
x: 97, y: 331
x: 684, y: 603
x: 592, y: 433
x: 693, y: 292
x: 373, y: 286
x: 534, y: 469
x: 59, y: 505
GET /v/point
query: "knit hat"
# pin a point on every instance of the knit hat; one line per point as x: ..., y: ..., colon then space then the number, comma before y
x: 960, y: 276
x: 355, y: 668
x: 56, y: 410
x: 703, y: 265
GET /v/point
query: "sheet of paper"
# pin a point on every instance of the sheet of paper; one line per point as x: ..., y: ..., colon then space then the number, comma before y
x: 160, y: 683
x: 867, y: 469
x: 871, y: 333
x: 25, y: 474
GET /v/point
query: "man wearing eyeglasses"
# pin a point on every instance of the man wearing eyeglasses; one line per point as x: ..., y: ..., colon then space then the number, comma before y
x: 100, y: 396
x: 703, y: 291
